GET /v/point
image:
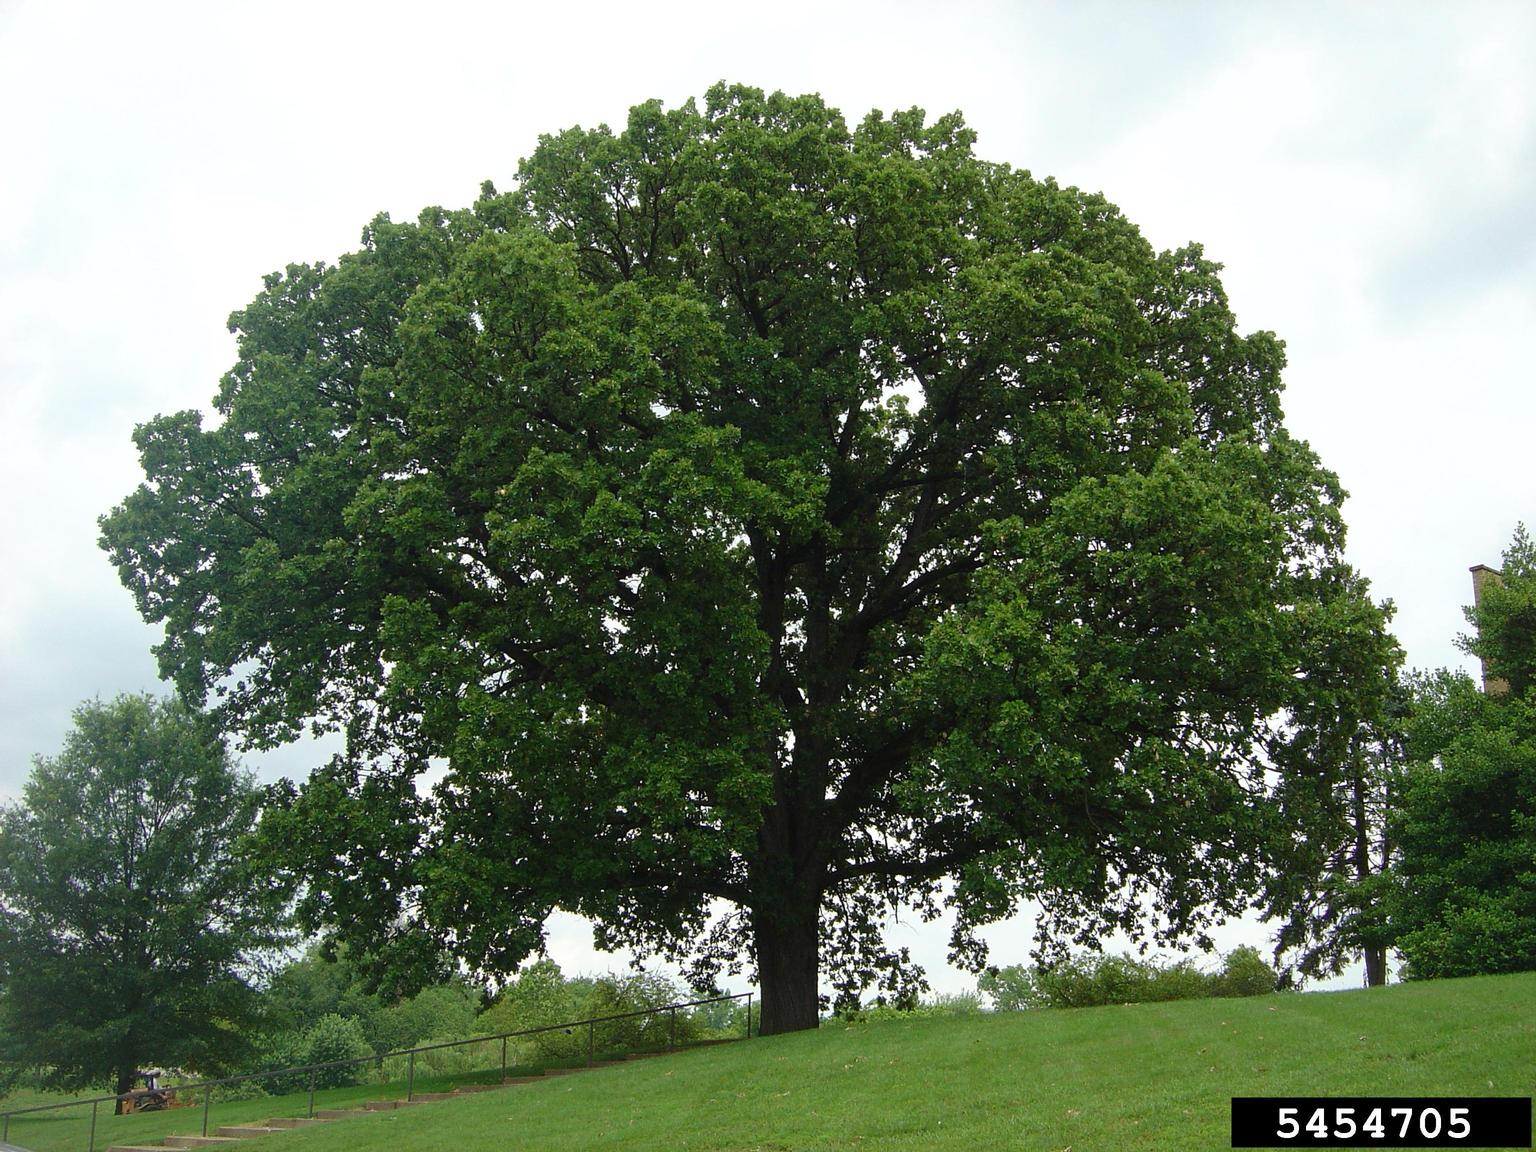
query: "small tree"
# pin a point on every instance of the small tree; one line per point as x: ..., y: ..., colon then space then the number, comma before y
x: 1505, y: 619
x: 132, y: 919
x: 337, y: 1038
x: 1464, y: 829
x: 1461, y: 894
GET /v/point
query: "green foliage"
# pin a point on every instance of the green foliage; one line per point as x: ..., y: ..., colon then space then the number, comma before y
x: 1461, y: 896
x: 539, y: 996
x: 440, y: 1012
x: 542, y: 996
x: 1245, y: 973
x: 313, y: 986
x: 1011, y: 988
x: 257, y: 1089
x: 617, y: 995
x: 1350, y: 724
x: 1096, y: 980
x: 761, y: 513
x: 1093, y: 981
x: 1505, y: 619
x: 134, y: 915
x: 1463, y: 893
x: 942, y: 1004
x: 337, y: 1038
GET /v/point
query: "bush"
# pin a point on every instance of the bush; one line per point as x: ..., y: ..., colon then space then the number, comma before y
x: 1245, y: 973
x: 1011, y: 989
x: 337, y: 1038
x: 1092, y: 981
x: 444, y: 1011
x: 454, y: 1061
x: 615, y: 995
x: 541, y: 997
x: 257, y: 1089
x: 943, y: 1004
x: 955, y: 1004
x: 538, y: 998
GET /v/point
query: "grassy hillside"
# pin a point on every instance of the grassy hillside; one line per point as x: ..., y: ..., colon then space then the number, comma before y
x: 1137, y: 1077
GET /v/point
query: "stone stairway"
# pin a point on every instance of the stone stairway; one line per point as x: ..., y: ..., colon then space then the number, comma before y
x: 233, y: 1133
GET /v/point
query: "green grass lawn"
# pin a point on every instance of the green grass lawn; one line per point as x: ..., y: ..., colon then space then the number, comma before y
x: 69, y: 1129
x: 1139, y: 1077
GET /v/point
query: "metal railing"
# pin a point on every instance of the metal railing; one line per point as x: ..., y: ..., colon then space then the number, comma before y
x: 313, y: 1070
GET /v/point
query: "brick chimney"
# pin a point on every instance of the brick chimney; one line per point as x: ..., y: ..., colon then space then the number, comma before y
x: 1482, y: 576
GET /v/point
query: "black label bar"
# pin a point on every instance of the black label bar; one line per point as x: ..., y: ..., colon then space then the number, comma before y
x: 1381, y: 1122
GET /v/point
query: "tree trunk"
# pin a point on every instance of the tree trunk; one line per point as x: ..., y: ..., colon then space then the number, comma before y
x: 1375, y: 954
x: 1375, y: 967
x: 126, y: 1078
x: 787, y: 963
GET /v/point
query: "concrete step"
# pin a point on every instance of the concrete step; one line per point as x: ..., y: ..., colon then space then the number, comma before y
x: 387, y: 1105
x: 293, y: 1121
x: 339, y: 1113
x: 478, y: 1088
x: 136, y: 1148
x: 246, y: 1131
x: 198, y: 1141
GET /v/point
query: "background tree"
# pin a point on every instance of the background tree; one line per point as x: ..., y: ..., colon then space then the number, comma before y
x: 1464, y: 831
x: 771, y: 524
x: 132, y: 916
x: 1504, y: 619
x: 1330, y: 896
x: 1463, y: 820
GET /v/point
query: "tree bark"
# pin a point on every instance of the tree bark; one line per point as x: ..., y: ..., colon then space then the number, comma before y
x: 1375, y: 967
x: 788, y: 957
x: 1375, y: 954
x: 126, y: 1077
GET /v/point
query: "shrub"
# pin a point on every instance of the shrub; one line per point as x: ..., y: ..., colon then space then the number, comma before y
x: 246, y: 1089
x: 614, y: 995
x: 1245, y: 973
x: 955, y: 1004
x: 1092, y: 981
x: 942, y: 1004
x: 336, y: 1037
x: 454, y: 1061
x: 1011, y: 989
x: 444, y: 1011
x: 539, y: 998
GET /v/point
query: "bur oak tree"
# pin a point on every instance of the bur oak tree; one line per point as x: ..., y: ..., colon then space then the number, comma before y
x: 132, y: 918
x: 766, y: 525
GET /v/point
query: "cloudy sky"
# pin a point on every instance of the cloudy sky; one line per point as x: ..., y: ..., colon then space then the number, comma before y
x: 1365, y: 171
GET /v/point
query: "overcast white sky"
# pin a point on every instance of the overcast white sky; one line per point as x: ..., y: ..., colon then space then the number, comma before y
x: 1365, y: 171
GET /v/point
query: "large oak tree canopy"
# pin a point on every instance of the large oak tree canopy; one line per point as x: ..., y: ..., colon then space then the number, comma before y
x: 752, y: 510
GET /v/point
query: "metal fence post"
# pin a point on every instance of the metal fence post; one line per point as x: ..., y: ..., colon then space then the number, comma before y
x: 591, y: 1035
x: 672, y: 1032
x: 503, y: 1057
x: 5, y: 1136
x: 311, y: 1093
x: 207, y: 1096
x: 749, y: 1015
x: 410, y: 1078
x: 90, y: 1144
